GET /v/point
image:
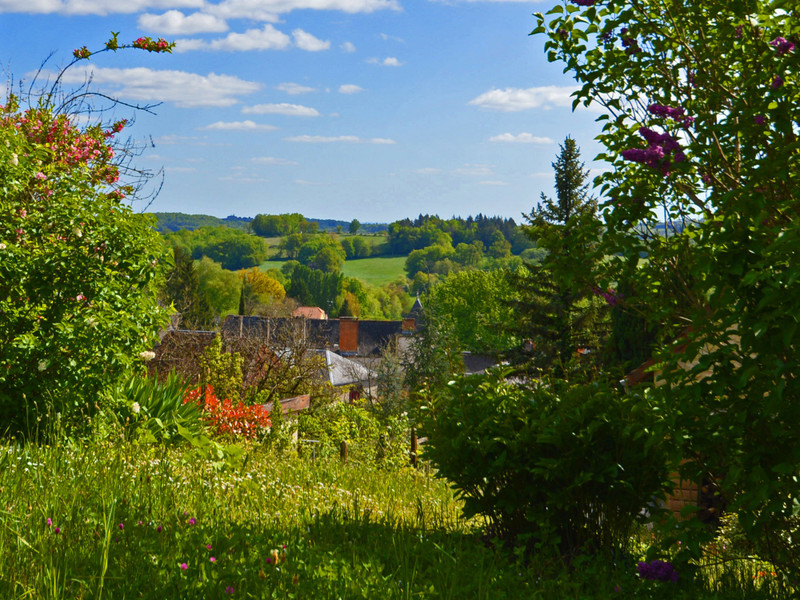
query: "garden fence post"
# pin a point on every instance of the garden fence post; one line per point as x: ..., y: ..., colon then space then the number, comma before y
x: 343, y: 451
x: 413, y: 453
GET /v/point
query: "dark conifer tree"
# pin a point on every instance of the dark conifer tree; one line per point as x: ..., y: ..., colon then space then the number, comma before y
x: 559, y: 315
x: 182, y: 289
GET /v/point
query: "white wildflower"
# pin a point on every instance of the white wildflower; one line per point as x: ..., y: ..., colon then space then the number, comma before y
x: 14, y: 159
x: 147, y: 355
x: 42, y: 365
x: 136, y: 408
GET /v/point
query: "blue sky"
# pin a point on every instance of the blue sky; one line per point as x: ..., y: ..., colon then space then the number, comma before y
x: 368, y: 109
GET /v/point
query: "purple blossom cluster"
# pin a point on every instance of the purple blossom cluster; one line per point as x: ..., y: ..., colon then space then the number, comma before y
x: 656, y: 155
x: 675, y: 113
x: 776, y: 82
x: 610, y: 296
x: 782, y: 45
x: 657, y: 570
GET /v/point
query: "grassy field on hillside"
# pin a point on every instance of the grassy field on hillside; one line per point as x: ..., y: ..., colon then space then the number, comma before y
x: 376, y: 271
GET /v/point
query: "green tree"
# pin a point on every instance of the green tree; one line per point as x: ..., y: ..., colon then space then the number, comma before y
x: 355, y: 225
x: 220, y: 288
x: 558, y: 312
x: 702, y: 102
x: 476, y: 306
x: 182, y: 290
x: 79, y: 269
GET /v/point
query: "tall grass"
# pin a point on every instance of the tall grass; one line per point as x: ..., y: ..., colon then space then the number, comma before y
x: 119, y: 520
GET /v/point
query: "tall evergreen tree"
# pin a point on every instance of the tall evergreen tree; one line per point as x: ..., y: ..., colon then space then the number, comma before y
x: 559, y: 315
x: 182, y: 289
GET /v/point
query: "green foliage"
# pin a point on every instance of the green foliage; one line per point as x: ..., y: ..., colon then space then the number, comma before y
x: 232, y: 248
x: 152, y: 410
x: 280, y: 225
x: 477, y: 306
x: 557, y: 312
x: 701, y: 130
x: 355, y: 225
x: 312, y: 287
x: 172, y: 221
x: 431, y: 259
x: 218, y: 287
x: 369, y: 439
x: 182, y: 290
x: 556, y: 464
x: 79, y: 270
x: 222, y: 371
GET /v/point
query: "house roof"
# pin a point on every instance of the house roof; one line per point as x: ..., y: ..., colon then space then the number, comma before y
x: 309, y: 312
x: 343, y: 371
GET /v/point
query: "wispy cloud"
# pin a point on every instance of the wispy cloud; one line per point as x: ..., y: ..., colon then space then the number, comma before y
x: 184, y: 89
x: 517, y: 99
x: 349, y: 139
x: 291, y: 110
x: 259, y: 10
x: 306, y: 41
x: 271, y: 160
x: 350, y: 88
x: 239, y: 126
x: 294, y: 89
x: 389, y: 61
x: 266, y: 38
x: 478, y: 170
x: 347, y: 47
x: 521, y: 138
x: 428, y: 171
x: 174, y: 22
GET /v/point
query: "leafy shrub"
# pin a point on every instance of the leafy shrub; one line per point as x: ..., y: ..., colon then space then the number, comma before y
x: 566, y: 465
x: 152, y: 409
x: 369, y: 439
x: 228, y: 418
x: 79, y: 270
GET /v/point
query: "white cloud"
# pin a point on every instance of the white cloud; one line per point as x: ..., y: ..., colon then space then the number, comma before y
x: 258, y: 10
x: 522, y: 138
x: 517, y: 99
x: 291, y: 110
x: 482, y: 170
x: 187, y: 90
x: 169, y: 140
x: 293, y: 89
x: 239, y: 126
x: 347, y: 47
x: 92, y: 7
x: 428, y: 171
x: 266, y: 38
x: 350, y: 88
x: 174, y: 22
x: 271, y: 160
x: 267, y: 10
x: 389, y: 61
x: 242, y: 179
x: 350, y: 139
x: 386, y: 37
x: 306, y: 41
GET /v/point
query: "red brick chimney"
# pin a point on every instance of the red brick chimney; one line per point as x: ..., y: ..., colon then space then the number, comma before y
x: 348, y: 335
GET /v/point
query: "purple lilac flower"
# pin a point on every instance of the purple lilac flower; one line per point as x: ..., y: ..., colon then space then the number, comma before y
x: 782, y: 45
x: 739, y: 32
x: 759, y: 120
x: 657, y: 570
x: 675, y: 113
x: 656, y: 154
x: 777, y: 82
